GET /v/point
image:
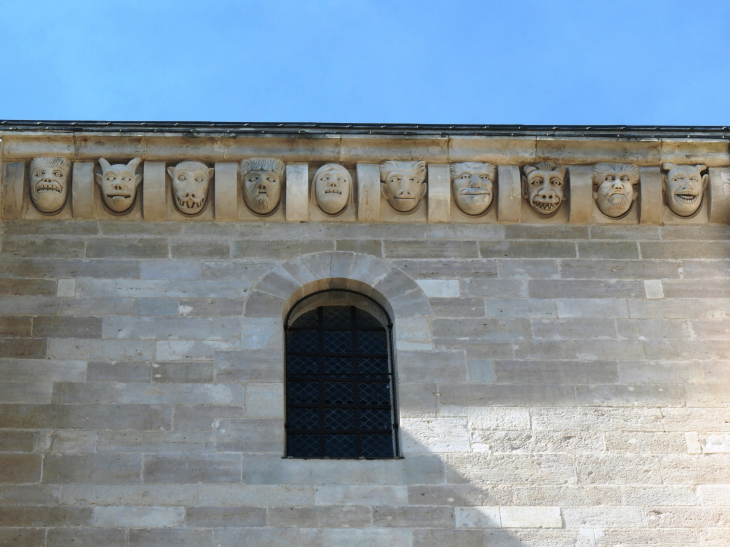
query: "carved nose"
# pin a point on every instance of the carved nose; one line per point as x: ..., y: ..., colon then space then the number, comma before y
x: 475, y: 182
x: 117, y: 186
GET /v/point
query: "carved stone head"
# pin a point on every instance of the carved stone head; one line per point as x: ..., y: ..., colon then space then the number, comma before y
x: 402, y: 183
x: 684, y: 186
x: 190, y: 183
x: 615, y: 187
x: 332, y: 188
x: 472, y: 184
x: 262, y: 181
x: 543, y: 187
x: 49, y: 180
x: 118, y: 184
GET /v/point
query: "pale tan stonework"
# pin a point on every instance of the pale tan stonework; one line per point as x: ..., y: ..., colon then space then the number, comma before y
x: 562, y: 379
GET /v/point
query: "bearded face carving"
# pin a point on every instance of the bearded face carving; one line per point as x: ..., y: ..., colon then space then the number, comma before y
x: 402, y: 183
x: 472, y: 184
x: 118, y: 184
x: 543, y: 187
x: 332, y: 188
x: 190, y: 183
x: 684, y: 187
x: 262, y: 181
x: 49, y: 181
x: 615, y: 188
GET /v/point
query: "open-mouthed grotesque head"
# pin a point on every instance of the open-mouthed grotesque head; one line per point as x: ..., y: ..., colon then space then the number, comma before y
x: 615, y: 187
x: 472, y: 184
x: 332, y: 188
x: 262, y: 182
x: 684, y: 186
x: 402, y: 183
x: 190, y: 183
x: 118, y: 184
x: 543, y: 185
x: 49, y: 181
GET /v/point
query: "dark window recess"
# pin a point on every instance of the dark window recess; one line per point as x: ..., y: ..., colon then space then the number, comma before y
x: 340, y: 400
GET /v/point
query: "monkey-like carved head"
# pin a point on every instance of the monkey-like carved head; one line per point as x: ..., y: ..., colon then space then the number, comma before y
x: 332, y: 188
x: 615, y: 187
x: 262, y: 181
x: 684, y: 186
x: 118, y: 184
x: 49, y: 180
x: 402, y: 183
x: 190, y: 183
x: 472, y: 184
x: 543, y: 185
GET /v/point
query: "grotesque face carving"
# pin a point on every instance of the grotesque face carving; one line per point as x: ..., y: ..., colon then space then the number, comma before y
x: 262, y: 180
x: 49, y: 183
x: 684, y: 186
x: 118, y: 184
x: 403, y: 183
x: 543, y: 187
x: 472, y: 184
x: 332, y: 188
x: 615, y: 187
x: 190, y: 182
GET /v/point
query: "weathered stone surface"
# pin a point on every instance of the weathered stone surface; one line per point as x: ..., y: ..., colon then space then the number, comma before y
x: 186, y: 469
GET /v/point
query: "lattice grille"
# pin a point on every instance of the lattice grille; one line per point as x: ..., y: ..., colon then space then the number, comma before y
x: 339, y: 379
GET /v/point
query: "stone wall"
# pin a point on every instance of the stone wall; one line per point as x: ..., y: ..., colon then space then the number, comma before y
x: 559, y: 385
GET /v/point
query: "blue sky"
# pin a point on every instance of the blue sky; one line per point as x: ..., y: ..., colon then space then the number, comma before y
x: 457, y: 61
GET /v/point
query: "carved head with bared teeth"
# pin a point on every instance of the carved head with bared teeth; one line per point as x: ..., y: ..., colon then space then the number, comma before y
x: 190, y: 183
x: 543, y: 185
x: 118, y: 184
x: 684, y: 186
x: 49, y: 181
x: 332, y: 188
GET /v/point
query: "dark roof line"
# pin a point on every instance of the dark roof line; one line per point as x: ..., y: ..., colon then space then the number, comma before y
x: 394, y: 129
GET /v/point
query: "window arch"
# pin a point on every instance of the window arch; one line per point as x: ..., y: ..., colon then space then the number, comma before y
x: 340, y: 389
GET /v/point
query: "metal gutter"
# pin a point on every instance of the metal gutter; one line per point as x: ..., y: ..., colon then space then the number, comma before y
x: 399, y: 130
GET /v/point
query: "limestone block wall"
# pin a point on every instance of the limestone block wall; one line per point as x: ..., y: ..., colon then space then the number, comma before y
x: 559, y: 385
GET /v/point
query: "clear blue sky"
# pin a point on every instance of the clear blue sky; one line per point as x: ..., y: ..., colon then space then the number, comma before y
x: 424, y: 61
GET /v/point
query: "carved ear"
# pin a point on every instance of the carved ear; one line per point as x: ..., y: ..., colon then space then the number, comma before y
x: 97, y: 176
x: 664, y: 182
x: 134, y: 164
x: 104, y: 164
x: 668, y: 166
x: 705, y: 181
x: 529, y: 169
x: 384, y: 190
x: 524, y: 187
x: 423, y: 190
x: 211, y: 173
x: 562, y: 171
x: 170, y: 171
x: 137, y: 179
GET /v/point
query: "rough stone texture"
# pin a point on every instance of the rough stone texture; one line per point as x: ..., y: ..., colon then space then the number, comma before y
x: 558, y: 384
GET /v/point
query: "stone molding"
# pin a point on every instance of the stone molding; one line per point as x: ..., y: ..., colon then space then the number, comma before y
x: 371, y: 170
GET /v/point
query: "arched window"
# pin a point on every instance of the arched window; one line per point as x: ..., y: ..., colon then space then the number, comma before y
x: 340, y: 393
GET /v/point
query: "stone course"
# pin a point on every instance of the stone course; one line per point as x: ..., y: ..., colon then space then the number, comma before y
x: 559, y: 384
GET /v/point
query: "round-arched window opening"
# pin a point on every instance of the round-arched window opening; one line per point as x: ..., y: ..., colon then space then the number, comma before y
x: 340, y: 390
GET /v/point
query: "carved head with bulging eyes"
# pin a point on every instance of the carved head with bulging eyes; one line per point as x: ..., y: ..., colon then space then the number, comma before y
x: 190, y: 183
x: 615, y: 187
x: 684, y: 186
x: 118, y: 184
x: 472, y: 184
x: 402, y: 183
x: 262, y: 181
x: 332, y: 188
x: 543, y: 186
x: 49, y: 183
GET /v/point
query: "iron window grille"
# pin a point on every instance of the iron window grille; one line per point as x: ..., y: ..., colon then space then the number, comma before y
x: 340, y: 389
